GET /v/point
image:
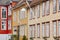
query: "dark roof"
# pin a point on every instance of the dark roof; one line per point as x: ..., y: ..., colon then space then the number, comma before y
x: 5, y: 2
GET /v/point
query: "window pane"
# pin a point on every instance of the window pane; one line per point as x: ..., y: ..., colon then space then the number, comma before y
x: 43, y: 30
x: 47, y: 29
x: 22, y: 30
x: 54, y: 6
x: 14, y: 16
x: 38, y: 30
x: 14, y: 30
x: 3, y: 12
x: 43, y: 9
x: 9, y: 24
x: 3, y: 25
x: 59, y: 28
x: 30, y: 31
x: 37, y: 10
x: 59, y: 4
x: 47, y: 7
x: 9, y: 10
x: 54, y: 26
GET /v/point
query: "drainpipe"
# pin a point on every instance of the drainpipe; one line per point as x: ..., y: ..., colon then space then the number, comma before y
x: 18, y: 32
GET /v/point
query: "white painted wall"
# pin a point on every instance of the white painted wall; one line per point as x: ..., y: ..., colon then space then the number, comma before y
x: 5, y: 36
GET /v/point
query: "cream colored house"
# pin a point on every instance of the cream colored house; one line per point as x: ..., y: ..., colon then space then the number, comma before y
x: 42, y: 21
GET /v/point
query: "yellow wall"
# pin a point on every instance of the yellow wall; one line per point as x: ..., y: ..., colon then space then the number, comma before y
x: 20, y: 21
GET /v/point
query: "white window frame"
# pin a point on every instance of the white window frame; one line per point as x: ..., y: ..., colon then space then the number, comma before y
x: 3, y: 24
x: 9, y: 24
x: 1, y: 12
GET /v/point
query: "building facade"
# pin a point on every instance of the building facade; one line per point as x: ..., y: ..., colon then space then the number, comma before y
x: 43, y: 20
x: 6, y: 20
x: 20, y: 20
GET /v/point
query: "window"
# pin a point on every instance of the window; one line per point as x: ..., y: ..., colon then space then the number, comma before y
x: 3, y: 25
x: 59, y: 27
x: 54, y: 26
x: 14, y: 16
x: 32, y: 31
x: 9, y: 10
x: 32, y: 13
x: 47, y: 7
x: 22, y: 14
x: 54, y: 5
x: 4, y: 12
x: 14, y: 30
x: 38, y: 30
x: 22, y: 30
x: 43, y: 29
x: 37, y: 10
x: 9, y: 24
x: 47, y: 29
x: 43, y: 9
x: 59, y: 4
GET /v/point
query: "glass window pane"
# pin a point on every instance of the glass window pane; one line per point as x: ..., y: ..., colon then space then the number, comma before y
x: 47, y: 29
x: 3, y: 25
x: 59, y: 4
x: 54, y: 26
x: 59, y: 28
x: 43, y: 30
x: 54, y: 6
x: 47, y: 7
x: 43, y: 9
x: 3, y: 12
x: 38, y: 30
x: 9, y: 24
